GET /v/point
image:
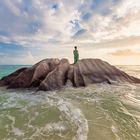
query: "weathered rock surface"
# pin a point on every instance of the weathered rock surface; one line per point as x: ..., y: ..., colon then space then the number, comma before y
x: 51, y: 74
x: 8, y: 79
x: 88, y: 71
x: 30, y: 77
x: 57, y: 78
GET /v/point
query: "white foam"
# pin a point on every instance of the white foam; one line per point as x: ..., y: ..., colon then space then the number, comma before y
x: 14, y: 130
x: 17, y: 132
x: 115, y: 131
x: 70, y: 113
x: 76, y: 117
x: 132, y: 98
x: 52, y: 127
x: 11, y: 118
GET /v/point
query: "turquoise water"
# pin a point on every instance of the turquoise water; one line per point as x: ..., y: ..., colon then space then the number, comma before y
x: 97, y: 112
x: 7, y: 69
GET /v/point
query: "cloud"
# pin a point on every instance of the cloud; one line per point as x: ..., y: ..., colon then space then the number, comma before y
x: 39, y: 26
x: 124, y: 53
x: 128, y: 42
x: 15, y: 54
x: 12, y: 7
x: 18, y: 60
x: 12, y: 50
x: 115, y: 24
x: 43, y: 20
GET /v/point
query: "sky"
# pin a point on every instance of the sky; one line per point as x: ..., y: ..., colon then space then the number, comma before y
x: 32, y: 30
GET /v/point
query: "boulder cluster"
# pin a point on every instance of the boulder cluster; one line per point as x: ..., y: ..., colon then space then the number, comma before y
x: 52, y: 74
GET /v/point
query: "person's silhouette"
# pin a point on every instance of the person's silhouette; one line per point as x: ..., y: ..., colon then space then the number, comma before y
x: 76, y: 54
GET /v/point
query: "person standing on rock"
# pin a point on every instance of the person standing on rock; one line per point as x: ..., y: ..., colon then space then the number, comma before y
x: 76, y: 55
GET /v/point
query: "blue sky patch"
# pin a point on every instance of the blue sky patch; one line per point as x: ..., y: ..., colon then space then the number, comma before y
x: 12, y: 50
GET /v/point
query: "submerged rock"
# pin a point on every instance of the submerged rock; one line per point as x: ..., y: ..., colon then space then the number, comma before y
x: 51, y: 74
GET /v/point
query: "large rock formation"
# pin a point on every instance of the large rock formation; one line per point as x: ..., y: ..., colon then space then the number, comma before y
x: 88, y: 71
x: 50, y: 74
x: 30, y: 77
x: 56, y: 78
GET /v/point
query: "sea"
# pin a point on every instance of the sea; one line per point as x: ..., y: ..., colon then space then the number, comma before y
x: 96, y: 112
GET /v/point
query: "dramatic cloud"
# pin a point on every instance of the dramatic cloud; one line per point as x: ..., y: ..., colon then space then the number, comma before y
x: 44, y: 28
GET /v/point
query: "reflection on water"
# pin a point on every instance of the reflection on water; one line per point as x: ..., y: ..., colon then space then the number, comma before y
x: 97, y: 112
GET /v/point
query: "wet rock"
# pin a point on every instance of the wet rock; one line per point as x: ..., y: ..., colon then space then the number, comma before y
x: 51, y: 74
